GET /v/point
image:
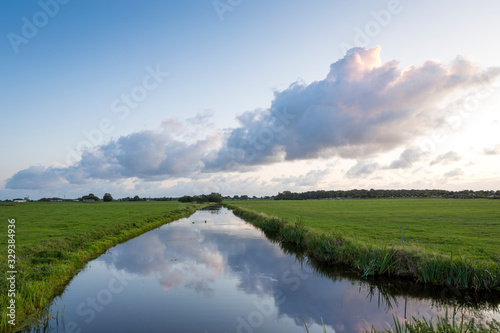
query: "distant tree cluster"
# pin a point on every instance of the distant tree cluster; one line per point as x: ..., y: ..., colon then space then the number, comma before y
x: 371, y: 194
x: 162, y: 199
x: 212, y: 197
x: 107, y: 197
x: 51, y: 199
x: 135, y: 198
x: 90, y: 197
x: 246, y: 197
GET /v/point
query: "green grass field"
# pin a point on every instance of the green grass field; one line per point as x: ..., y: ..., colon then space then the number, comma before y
x: 55, y: 240
x: 447, y: 242
x: 458, y: 228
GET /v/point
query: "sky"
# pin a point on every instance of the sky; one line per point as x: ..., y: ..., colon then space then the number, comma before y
x: 172, y: 98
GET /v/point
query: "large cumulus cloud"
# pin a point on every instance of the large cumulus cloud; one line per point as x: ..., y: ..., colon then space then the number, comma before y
x: 363, y: 107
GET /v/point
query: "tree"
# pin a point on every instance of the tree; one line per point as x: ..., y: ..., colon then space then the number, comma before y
x: 214, y: 197
x: 186, y: 198
x: 107, y: 197
x: 91, y: 196
x: 200, y: 198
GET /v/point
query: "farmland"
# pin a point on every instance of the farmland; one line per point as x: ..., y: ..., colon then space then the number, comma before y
x: 467, y: 228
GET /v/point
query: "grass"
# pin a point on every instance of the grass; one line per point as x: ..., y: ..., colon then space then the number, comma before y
x: 322, y: 323
x: 377, y: 262
x: 447, y: 242
x: 55, y: 240
x: 442, y: 324
x: 469, y: 228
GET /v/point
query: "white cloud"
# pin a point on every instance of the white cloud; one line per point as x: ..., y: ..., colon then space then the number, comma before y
x: 447, y: 158
x: 309, y: 180
x: 492, y: 150
x: 362, y: 168
x: 454, y: 173
x: 407, y: 158
x: 35, y: 177
x: 361, y: 109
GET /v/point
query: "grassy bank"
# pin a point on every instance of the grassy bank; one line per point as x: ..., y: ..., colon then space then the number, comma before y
x: 448, y: 323
x: 55, y: 240
x: 447, y: 242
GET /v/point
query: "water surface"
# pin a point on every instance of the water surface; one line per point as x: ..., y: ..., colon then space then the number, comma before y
x: 213, y: 272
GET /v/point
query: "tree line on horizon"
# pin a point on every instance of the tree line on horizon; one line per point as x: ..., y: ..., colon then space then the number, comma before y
x: 309, y: 195
x: 212, y: 197
x: 373, y: 194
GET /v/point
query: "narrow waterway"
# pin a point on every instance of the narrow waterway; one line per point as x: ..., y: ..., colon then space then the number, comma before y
x: 213, y: 272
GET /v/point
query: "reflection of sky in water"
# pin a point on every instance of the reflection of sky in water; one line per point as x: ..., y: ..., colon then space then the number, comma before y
x: 221, y: 275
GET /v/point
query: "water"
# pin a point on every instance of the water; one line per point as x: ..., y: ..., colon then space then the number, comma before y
x: 213, y: 272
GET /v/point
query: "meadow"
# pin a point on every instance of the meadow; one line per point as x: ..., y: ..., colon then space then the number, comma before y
x: 446, y: 241
x: 448, y: 227
x: 54, y: 240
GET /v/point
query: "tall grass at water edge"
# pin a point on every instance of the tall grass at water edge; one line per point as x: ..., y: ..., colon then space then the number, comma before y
x: 446, y: 324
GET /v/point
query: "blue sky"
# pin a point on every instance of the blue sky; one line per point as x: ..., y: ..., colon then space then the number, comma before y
x: 163, y: 98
